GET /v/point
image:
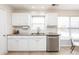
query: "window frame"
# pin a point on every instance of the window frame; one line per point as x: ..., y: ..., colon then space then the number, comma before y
x: 38, y: 23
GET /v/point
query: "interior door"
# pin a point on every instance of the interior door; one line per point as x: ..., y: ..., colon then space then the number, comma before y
x: 3, y: 31
x: 3, y: 22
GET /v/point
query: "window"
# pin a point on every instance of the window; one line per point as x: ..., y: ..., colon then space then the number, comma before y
x: 63, y: 27
x: 68, y: 27
x: 75, y: 27
x: 38, y: 22
x: 75, y: 22
x: 63, y: 22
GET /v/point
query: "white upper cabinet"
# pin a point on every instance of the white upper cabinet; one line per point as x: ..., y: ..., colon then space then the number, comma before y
x: 20, y: 19
x: 52, y: 19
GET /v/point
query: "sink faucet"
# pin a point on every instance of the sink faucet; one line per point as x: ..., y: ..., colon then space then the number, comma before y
x: 38, y: 30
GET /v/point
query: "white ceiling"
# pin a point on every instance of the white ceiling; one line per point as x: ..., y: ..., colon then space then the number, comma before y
x: 44, y: 6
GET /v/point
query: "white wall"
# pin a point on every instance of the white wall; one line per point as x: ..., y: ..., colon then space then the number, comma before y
x: 68, y: 13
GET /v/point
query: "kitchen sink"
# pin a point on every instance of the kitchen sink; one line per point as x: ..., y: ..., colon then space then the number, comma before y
x: 38, y: 34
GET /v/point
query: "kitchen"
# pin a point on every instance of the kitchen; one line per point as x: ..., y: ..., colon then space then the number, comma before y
x: 34, y: 36
x: 31, y: 27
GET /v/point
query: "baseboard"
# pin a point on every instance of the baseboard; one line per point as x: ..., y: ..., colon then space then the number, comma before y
x: 3, y: 53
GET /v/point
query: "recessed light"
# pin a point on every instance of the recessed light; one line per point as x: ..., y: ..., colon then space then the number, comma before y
x: 33, y: 12
x: 42, y: 7
x: 42, y: 13
x: 33, y: 7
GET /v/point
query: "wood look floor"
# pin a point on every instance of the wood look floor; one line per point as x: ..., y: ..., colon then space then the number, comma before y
x: 63, y: 51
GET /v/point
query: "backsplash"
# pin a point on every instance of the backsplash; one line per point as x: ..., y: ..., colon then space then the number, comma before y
x: 22, y: 31
x: 25, y: 31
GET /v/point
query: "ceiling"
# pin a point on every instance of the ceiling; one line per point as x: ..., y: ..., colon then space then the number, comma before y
x: 44, y: 6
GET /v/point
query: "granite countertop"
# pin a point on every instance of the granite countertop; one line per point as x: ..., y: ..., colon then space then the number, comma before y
x: 26, y: 34
x: 34, y: 34
x: 53, y: 34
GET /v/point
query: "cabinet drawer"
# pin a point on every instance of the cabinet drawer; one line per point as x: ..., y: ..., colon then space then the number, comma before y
x: 18, y: 37
x: 39, y: 37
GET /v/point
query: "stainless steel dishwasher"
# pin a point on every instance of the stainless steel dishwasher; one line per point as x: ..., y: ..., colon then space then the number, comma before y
x: 52, y: 42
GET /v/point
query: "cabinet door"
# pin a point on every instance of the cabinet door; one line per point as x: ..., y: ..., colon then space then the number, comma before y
x: 38, y: 43
x: 52, y: 19
x: 33, y: 45
x: 13, y: 44
x: 19, y: 19
x: 42, y: 44
x: 24, y: 45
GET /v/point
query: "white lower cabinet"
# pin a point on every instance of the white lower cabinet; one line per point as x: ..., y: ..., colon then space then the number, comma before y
x: 28, y: 43
x: 18, y: 45
x: 13, y: 44
x: 42, y: 45
x: 23, y: 45
x: 38, y: 43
